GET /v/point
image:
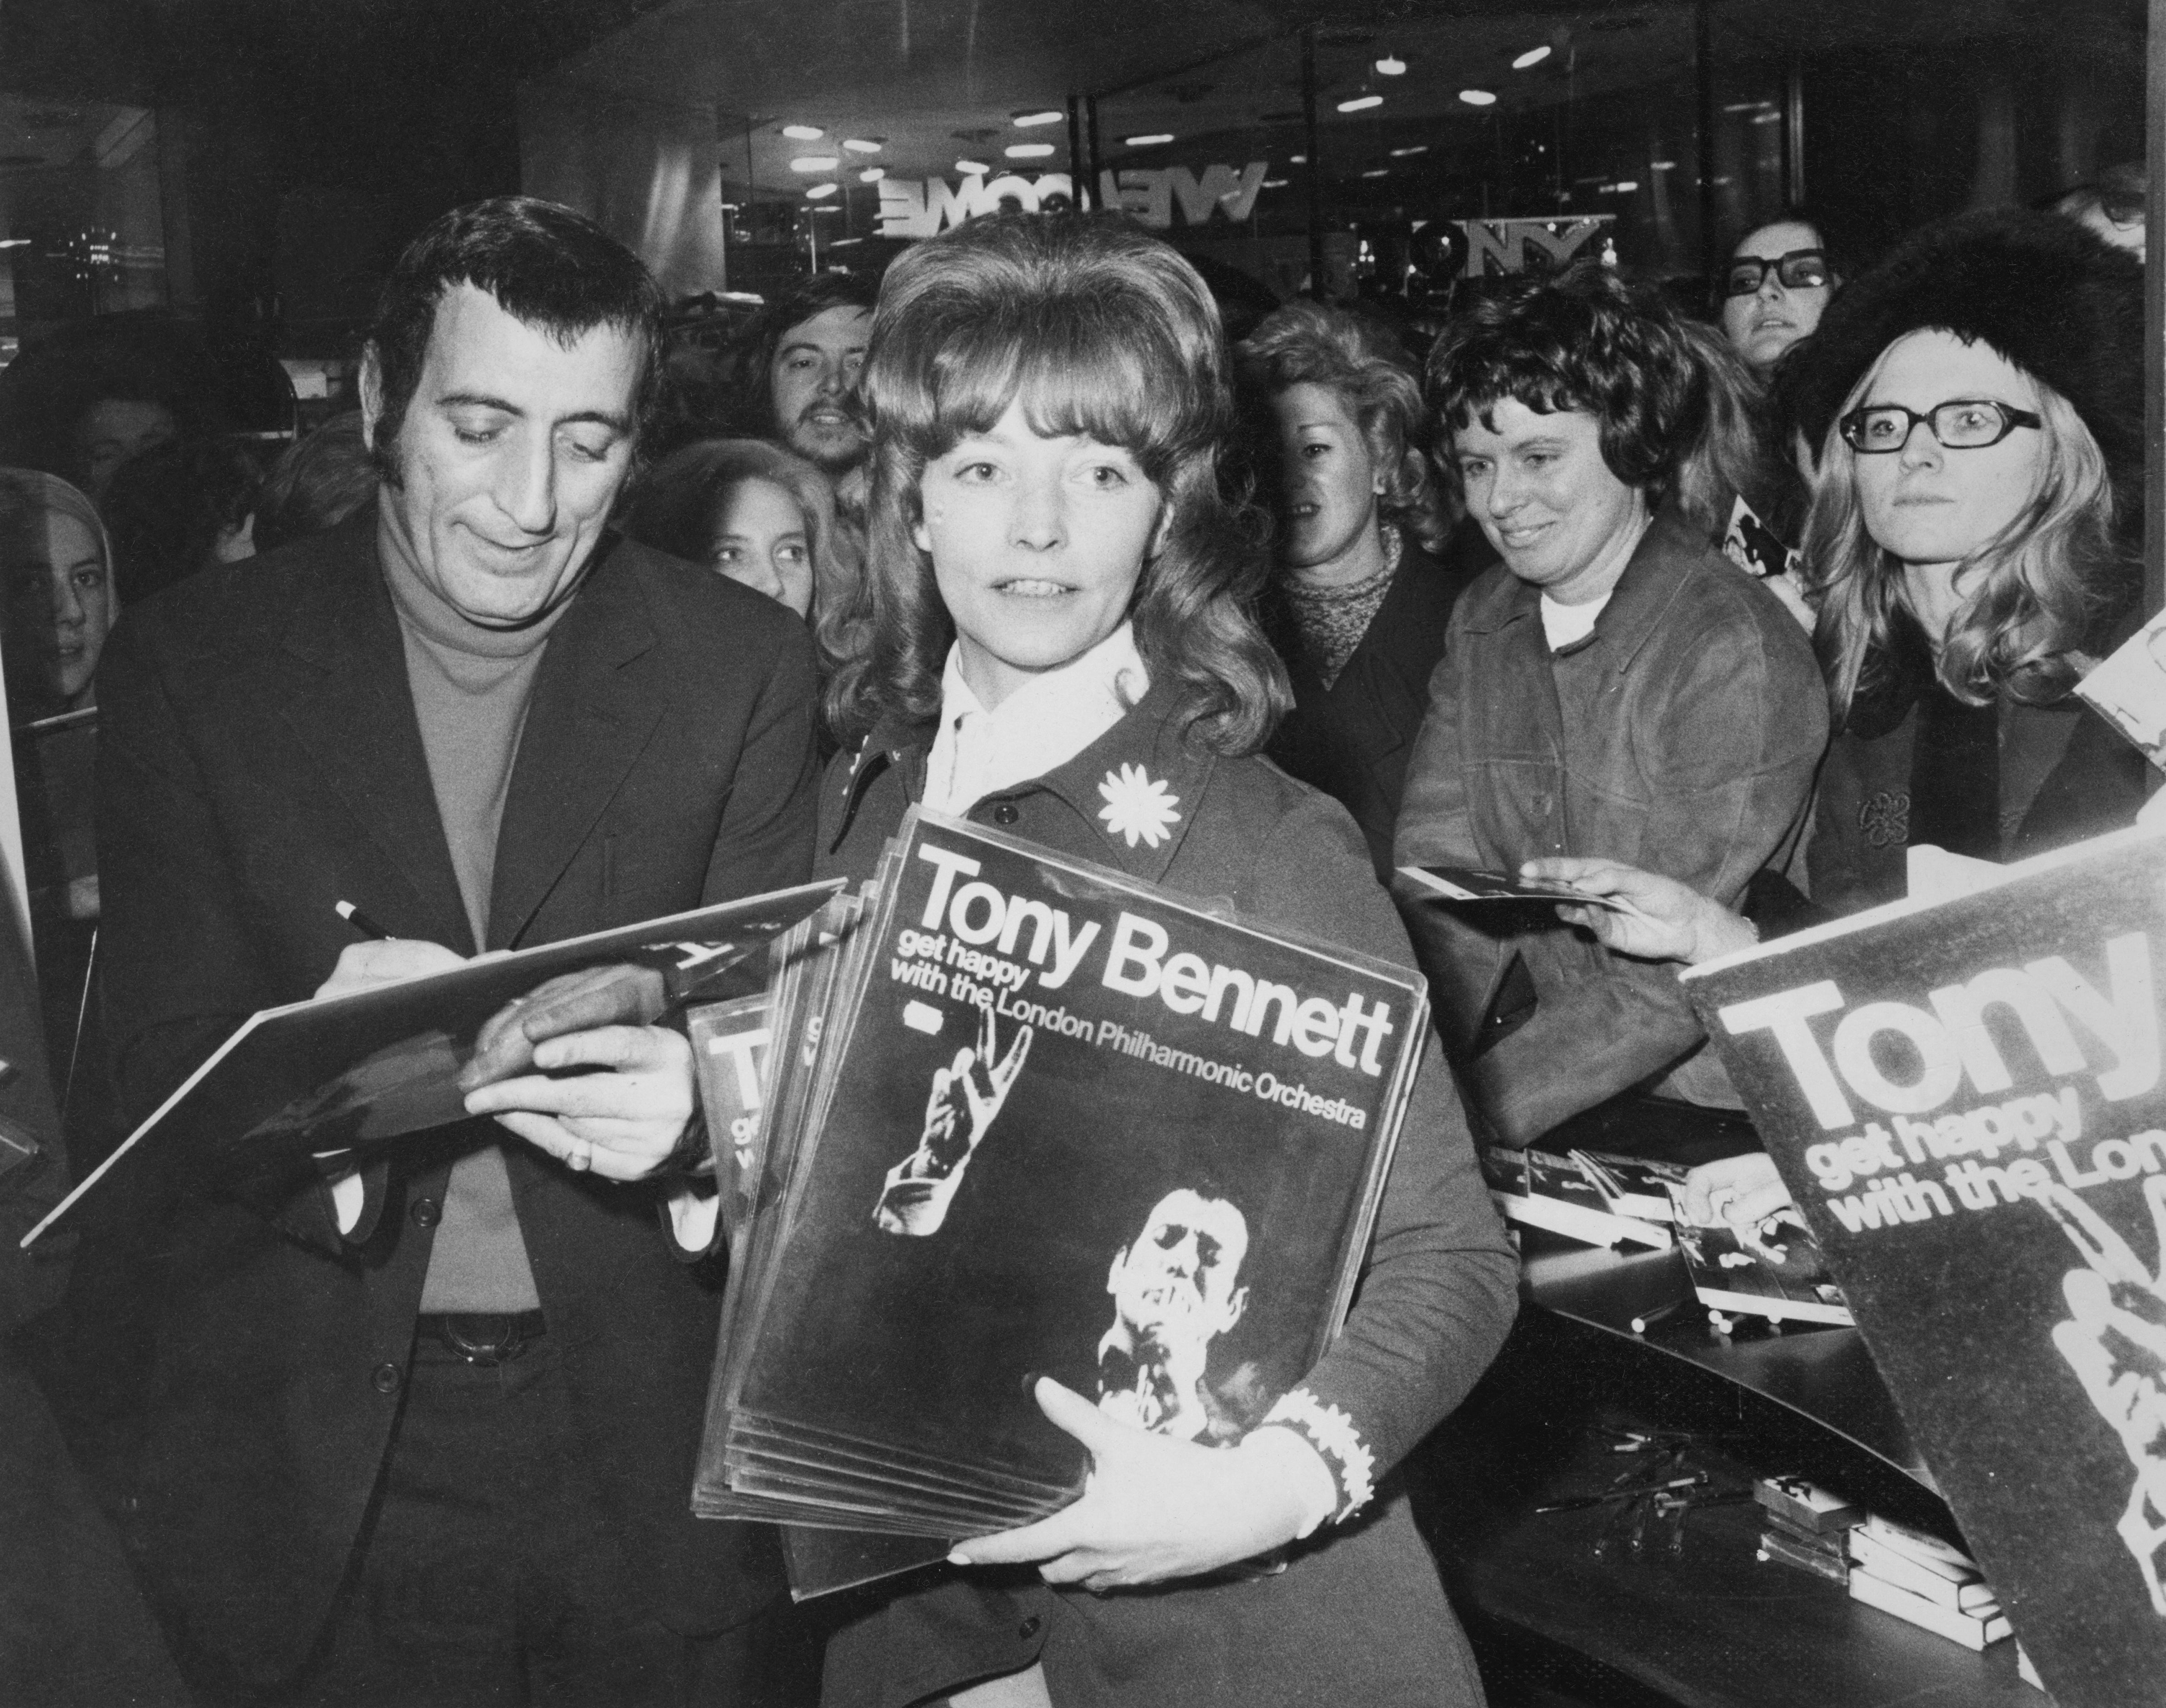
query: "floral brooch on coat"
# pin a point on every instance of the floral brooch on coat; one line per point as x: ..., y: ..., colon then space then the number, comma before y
x: 1137, y: 806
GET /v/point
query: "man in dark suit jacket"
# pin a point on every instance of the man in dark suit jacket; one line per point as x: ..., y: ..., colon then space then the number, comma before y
x: 427, y: 1432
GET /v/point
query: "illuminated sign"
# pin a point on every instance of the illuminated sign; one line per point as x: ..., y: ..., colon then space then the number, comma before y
x: 913, y: 208
x: 1501, y: 245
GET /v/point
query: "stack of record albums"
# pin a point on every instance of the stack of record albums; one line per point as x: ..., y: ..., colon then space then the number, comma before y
x: 1001, y: 1115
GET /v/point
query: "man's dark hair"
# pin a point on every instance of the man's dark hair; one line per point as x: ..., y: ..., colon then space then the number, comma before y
x: 805, y: 300
x: 545, y: 264
x: 1581, y: 340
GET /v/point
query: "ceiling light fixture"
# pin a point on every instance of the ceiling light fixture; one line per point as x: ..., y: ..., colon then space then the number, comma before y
x: 1027, y: 150
x: 1043, y: 115
x: 814, y: 163
x: 824, y: 208
x: 1378, y: 172
x: 819, y: 192
x: 1532, y: 56
x: 1478, y: 98
x: 872, y: 175
x: 1361, y: 103
x: 803, y: 133
x: 1274, y: 183
x: 1401, y: 153
x: 861, y: 144
x: 1153, y: 140
x: 1391, y: 66
x: 968, y: 167
x: 1626, y: 186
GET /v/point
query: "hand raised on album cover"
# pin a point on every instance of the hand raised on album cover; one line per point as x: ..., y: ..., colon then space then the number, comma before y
x: 2116, y: 1343
x: 965, y: 1098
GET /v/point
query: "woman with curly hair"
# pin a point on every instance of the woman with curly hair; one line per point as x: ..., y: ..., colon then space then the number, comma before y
x: 1359, y: 609
x: 1975, y: 404
x: 1060, y: 590
x: 1614, y: 688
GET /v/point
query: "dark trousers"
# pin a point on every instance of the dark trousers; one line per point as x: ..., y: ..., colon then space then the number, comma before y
x: 492, y: 1574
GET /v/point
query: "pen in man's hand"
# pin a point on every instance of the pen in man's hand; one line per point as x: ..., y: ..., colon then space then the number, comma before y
x: 359, y: 921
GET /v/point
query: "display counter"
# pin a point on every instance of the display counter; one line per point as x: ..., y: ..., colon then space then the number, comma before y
x: 1711, y: 1626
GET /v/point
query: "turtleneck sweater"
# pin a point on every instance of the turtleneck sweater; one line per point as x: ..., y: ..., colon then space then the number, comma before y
x: 471, y: 687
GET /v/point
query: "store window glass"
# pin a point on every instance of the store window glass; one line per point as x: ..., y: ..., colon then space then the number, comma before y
x: 1450, y: 147
x: 81, y: 229
x: 82, y: 249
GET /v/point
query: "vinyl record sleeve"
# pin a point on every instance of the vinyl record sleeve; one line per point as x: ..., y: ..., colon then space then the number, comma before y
x: 798, y: 961
x: 1775, y: 1269
x: 336, y: 1073
x: 729, y: 1054
x: 1633, y: 1186
x: 934, y: 1256
x: 1467, y: 884
x: 1965, y: 1100
x: 1547, y: 1191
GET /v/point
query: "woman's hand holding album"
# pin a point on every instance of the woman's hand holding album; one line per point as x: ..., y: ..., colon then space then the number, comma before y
x: 1156, y: 1508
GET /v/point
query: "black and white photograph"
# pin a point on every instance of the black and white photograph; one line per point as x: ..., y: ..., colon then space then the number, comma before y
x: 959, y: 854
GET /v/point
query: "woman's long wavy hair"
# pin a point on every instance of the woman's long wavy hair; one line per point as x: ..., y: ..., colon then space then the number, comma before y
x: 1308, y: 344
x: 680, y: 504
x: 2044, y: 586
x: 1100, y: 330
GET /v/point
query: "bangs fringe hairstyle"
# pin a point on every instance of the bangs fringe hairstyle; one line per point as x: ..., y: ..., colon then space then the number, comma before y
x: 1306, y: 344
x: 1583, y: 339
x: 680, y: 504
x: 1099, y: 331
x: 2047, y: 584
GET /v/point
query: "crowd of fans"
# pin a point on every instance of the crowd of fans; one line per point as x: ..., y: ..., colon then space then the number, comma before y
x: 1719, y: 616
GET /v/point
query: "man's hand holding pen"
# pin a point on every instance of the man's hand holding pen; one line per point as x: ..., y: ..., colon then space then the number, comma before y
x: 575, y: 1067
x: 579, y: 1068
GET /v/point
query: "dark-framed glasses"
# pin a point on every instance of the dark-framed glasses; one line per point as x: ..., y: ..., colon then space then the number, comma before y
x: 1961, y: 424
x: 1800, y: 270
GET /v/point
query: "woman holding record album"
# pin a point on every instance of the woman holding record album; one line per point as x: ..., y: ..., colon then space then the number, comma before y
x: 1061, y: 647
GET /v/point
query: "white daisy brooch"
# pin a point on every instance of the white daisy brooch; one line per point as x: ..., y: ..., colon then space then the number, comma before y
x: 1137, y: 806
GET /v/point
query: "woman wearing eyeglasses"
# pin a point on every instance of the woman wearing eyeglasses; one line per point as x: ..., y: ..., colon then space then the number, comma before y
x: 1777, y: 282
x: 1977, y: 405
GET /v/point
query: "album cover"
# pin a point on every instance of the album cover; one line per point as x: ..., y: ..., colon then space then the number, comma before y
x: 1631, y: 1185
x: 1465, y: 883
x: 1546, y: 1191
x: 1772, y: 1268
x: 1073, y: 1126
x: 1964, y: 1099
x: 730, y: 1065
x: 337, y: 1072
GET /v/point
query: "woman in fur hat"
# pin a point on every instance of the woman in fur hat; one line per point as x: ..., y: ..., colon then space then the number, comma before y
x: 1975, y: 404
x: 1976, y: 408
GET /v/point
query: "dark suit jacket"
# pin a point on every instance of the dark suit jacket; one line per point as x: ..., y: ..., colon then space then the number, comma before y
x: 74, y: 1633
x: 1353, y: 739
x: 261, y: 760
